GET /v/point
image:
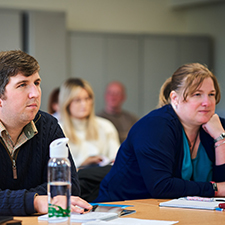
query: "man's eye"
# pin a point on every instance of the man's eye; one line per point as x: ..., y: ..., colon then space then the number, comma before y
x: 22, y: 85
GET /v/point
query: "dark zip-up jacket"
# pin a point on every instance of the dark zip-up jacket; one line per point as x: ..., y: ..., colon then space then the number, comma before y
x: 31, y: 159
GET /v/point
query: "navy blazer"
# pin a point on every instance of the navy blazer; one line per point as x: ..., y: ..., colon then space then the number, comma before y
x: 149, y: 162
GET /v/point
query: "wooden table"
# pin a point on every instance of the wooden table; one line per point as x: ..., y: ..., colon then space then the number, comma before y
x: 149, y: 209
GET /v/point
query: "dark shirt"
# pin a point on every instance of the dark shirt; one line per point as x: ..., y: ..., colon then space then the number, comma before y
x: 149, y: 162
x: 16, y: 195
x: 122, y: 121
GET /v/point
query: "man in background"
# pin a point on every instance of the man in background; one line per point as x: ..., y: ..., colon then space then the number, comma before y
x: 115, y: 96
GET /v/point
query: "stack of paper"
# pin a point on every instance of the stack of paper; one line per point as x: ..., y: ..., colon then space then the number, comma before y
x: 184, y: 203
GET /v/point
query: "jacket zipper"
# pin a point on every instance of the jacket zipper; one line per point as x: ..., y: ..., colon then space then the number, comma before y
x: 14, y: 169
x: 13, y: 158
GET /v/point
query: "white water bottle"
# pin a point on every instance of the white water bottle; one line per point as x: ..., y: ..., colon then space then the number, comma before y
x: 59, y: 182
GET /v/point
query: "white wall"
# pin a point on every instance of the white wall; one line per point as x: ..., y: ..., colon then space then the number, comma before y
x: 111, y: 15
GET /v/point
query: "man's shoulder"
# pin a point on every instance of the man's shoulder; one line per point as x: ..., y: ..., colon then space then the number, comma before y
x: 104, y: 123
x: 102, y: 113
x: 44, y: 116
x: 123, y: 113
x: 129, y: 115
x: 47, y: 126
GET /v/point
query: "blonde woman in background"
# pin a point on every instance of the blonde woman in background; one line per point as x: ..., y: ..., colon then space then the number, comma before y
x: 92, y: 140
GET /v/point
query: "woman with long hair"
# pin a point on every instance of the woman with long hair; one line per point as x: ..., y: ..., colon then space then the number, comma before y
x: 92, y: 140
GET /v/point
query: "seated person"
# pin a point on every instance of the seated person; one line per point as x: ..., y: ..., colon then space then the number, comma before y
x: 92, y: 140
x: 115, y: 95
x: 176, y: 150
x: 26, y: 134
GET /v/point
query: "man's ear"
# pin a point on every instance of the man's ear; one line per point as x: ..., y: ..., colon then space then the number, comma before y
x: 1, y: 102
x: 174, y: 98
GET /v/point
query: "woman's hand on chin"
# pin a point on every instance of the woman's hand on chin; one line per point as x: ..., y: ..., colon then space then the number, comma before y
x: 213, y: 127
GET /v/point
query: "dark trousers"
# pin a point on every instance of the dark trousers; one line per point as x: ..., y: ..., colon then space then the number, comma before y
x: 90, y: 179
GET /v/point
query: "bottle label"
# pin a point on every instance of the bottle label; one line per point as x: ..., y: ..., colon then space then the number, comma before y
x: 59, y: 199
x: 57, y: 211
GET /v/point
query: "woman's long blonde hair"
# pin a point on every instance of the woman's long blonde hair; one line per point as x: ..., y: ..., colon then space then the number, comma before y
x: 187, y: 79
x: 68, y: 91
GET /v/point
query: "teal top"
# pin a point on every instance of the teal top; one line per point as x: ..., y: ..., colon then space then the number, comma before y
x: 198, y: 169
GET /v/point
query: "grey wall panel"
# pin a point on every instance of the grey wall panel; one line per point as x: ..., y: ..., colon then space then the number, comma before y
x: 47, y: 43
x: 160, y: 61
x: 11, y: 30
x: 122, y: 63
x: 103, y: 58
x: 87, y: 61
x: 141, y: 62
x: 195, y: 49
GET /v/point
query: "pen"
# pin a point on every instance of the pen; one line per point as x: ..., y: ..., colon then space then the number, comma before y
x: 204, y: 199
x: 219, y: 200
x: 94, y: 208
x: 219, y: 209
x: 196, y: 198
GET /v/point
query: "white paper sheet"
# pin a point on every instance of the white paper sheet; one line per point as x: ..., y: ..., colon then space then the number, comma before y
x: 91, y: 216
x: 130, y: 221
